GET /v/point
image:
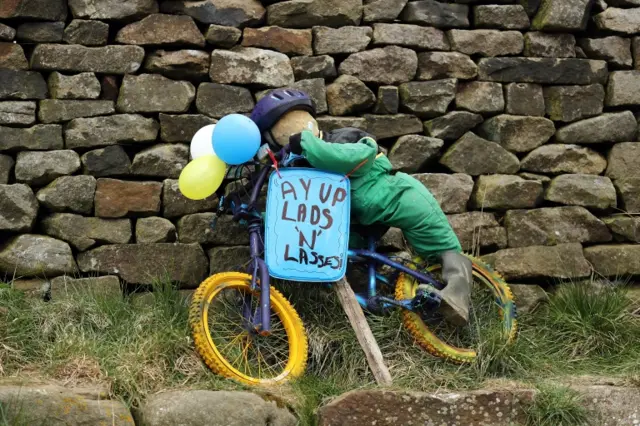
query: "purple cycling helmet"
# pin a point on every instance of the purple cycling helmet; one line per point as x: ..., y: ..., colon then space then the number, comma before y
x: 273, y: 106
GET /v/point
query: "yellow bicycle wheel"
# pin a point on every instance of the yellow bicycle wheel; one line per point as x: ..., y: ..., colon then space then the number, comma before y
x: 406, y: 289
x: 233, y: 348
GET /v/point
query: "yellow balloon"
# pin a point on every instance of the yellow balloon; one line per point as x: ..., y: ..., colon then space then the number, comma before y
x: 202, y: 177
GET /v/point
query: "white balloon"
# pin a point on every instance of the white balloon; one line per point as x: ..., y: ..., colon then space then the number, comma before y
x: 202, y: 142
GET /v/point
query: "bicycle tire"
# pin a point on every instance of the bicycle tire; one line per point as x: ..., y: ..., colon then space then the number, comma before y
x: 405, y: 289
x: 206, y: 348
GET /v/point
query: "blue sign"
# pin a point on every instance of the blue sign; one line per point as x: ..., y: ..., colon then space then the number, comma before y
x: 307, y: 225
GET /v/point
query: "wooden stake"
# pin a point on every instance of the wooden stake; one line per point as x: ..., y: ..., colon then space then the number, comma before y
x: 363, y: 332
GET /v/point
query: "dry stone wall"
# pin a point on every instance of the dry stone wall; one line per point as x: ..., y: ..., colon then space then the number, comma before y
x: 520, y: 116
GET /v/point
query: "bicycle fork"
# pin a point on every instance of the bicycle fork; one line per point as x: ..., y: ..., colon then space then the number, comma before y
x: 260, y: 320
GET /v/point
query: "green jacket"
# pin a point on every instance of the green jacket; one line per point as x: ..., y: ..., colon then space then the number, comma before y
x: 379, y: 196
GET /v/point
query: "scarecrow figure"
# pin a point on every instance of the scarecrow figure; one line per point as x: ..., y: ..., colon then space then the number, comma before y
x: 379, y: 195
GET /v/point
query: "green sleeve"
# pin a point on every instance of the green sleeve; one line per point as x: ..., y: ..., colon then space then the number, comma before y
x: 338, y: 157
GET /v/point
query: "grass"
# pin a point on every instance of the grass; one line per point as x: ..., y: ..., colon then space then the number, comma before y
x: 137, y: 348
x: 557, y: 406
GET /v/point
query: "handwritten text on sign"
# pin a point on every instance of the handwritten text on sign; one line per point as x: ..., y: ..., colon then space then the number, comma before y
x: 307, y: 225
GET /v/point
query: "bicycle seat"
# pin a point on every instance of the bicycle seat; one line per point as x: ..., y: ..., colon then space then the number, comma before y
x: 376, y: 230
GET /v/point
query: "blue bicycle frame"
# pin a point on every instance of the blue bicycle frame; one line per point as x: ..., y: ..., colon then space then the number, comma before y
x: 259, y: 320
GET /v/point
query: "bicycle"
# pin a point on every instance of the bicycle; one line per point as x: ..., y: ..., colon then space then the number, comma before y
x: 239, y: 352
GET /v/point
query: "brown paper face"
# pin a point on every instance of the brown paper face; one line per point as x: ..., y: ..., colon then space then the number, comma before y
x: 291, y: 123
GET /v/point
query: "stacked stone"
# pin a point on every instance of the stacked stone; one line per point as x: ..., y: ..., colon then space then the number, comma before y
x: 519, y: 116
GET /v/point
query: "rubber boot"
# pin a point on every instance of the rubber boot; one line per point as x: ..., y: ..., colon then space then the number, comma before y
x: 456, y: 296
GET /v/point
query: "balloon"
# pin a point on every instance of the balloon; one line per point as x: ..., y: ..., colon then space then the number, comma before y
x: 202, y: 177
x: 236, y: 139
x: 201, y: 142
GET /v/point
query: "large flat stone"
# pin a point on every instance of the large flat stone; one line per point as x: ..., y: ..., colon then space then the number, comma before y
x: 309, y: 13
x: 571, y: 103
x: 59, y: 110
x: 17, y: 84
x: 452, y: 191
x: 427, y: 98
x: 196, y: 228
x: 332, y: 41
x: 249, y: 65
x: 624, y: 160
x: 506, y: 17
x: 110, y: 130
x: 615, y: 260
x: 109, y: 161
x: 591, y: 191
x: 46, y: 10
x: 235, y: 13
x: 542, y: 70
x: 174, y: 204
x: 187, y: 64
x: 38, y: 168
x: 85, y: 232
x: 77, y: 86
x: 145, y: 263
x: 434, y: 65
x: 68, y: 405
x: 626, y: 21
x: 452, y: 125
x: 614, y: 49
x: 436, y: 14
x: 524, y: 99
x: 412, y: 152
x: 113, y: 9
x: 623, y: 88
x: 503, y: 192
x: 388, y: 101
x: 218, y: 100
x: 561, y: 158
x: 12, y: 57
x: 306, y: 67
x: 162, y: 30
x: 196, y: 407
x: 569, y: 15
x: 348, y: 95
x: 284, y: 40
x: 155, y: 230
x: 75, y: 58
x: 182, y: 127
x: 480, y: 97
x: 36, y: 255
x: 389, y: 126
x: 17, y: 113
x: 387, y: 65
x: 86, y: 32
x: 554, y: 225
x: 486, y: 42
x: 476, y: 156
x: 382, y: 10
x: 7, y: 33
x: 629, y: 191
x: 605, y: 128
x: 38, y: 137
x: 478, y: 229
x: 40, y: 32
x: 517, y: 133
x: 163, y: 160
x: 116, y: 198
x: 413, y: 36
x: 222, y: 36
x: 69, y: 193
x: 549, y: 45
x: 563, y: 261
x: 18, y: 208
x: 624, y: 228
x: 154, y: 93
x: 225, y: 259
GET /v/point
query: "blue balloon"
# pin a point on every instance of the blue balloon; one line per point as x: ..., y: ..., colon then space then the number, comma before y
x: 236, y: 139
